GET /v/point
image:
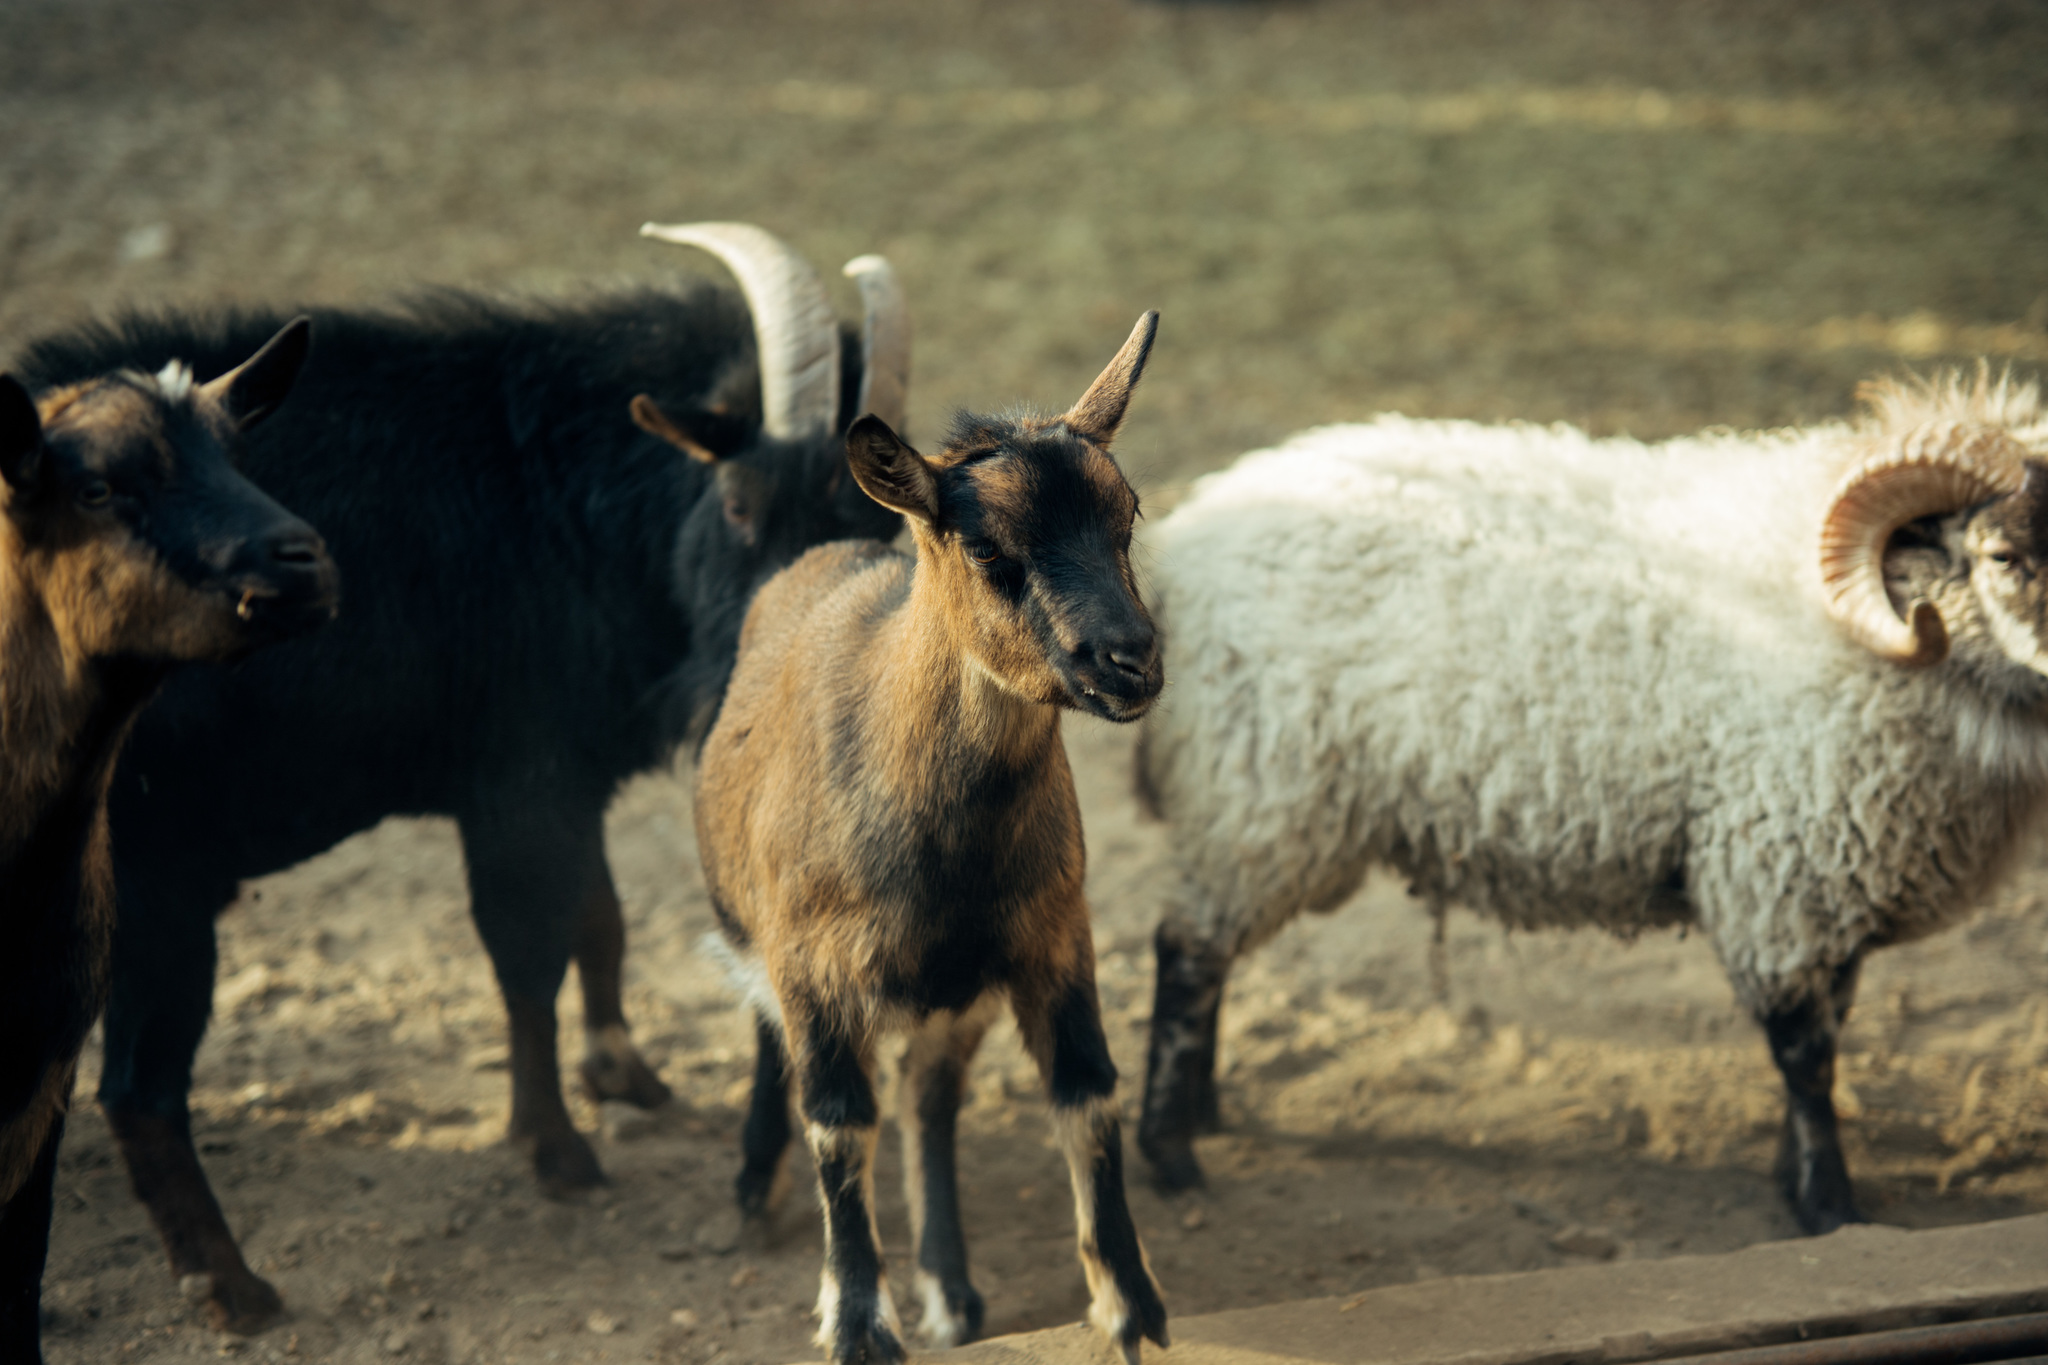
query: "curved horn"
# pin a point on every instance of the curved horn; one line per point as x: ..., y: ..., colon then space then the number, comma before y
x: 885, y: 341
x: 794, y: 330
x: 1939, y: 467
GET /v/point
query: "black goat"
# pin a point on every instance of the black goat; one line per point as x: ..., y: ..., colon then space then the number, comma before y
x: 128, y: 545
x: 544, y: 598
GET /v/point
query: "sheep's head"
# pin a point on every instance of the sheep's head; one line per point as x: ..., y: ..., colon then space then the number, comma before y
x: 2005, y: 544
x: 1948, y: 457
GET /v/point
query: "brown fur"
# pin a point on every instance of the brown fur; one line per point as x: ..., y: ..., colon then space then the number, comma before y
x: 84, y: 591
x: 105, y: 487
x: 889, y: 827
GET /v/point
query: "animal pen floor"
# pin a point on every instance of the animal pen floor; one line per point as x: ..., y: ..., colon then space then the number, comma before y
x: 1636, y: 217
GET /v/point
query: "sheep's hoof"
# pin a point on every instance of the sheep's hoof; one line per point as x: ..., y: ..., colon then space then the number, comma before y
x: 1174, y: 1167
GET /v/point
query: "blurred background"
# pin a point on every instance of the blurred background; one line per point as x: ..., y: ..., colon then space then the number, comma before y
x: 1639, y: 217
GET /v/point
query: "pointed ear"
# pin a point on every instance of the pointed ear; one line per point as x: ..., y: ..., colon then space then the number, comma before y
x: 21, y: 436
x: 1101, y: 410
x: 648, y: 416
x: 891, y: 472
x: 253, y: 389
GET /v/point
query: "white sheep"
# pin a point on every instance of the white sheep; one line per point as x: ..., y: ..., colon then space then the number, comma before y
x: 1785, y: 686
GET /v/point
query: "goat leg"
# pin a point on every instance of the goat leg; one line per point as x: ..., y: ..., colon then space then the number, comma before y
x: 764, y: 1137
x: 164, y: 1168
x: 934, y: 1075
x: 1073, y: 1056
x: 24, y: 1247
x: 612, y: 1067
x: 857, y: 1320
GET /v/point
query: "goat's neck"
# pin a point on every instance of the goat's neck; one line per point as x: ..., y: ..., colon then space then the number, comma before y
x: 48, y: 694
x: 943, y: 706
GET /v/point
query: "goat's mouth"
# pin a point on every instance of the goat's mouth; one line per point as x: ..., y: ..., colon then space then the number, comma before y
x: 266, y: 611
x: 1120, y: 707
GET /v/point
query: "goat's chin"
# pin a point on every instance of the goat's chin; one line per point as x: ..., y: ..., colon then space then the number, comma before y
x: 1121, y: 710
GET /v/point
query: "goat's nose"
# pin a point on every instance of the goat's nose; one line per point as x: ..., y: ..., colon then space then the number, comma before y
x: 300, y: 548
x: 1134, y: 657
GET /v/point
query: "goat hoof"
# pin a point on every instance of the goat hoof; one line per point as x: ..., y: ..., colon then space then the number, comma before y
x: 872, y: 1345
x: 628, y: 1078
x: 953, y: 1313
x: 1818, y: 1220
x: 243, y: 1303
x: 566, y: 1166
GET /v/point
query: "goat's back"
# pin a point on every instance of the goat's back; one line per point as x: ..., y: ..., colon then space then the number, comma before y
x: 506, y: 536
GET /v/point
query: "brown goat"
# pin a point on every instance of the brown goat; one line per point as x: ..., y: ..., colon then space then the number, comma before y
x: 128, y: 544
x: 892, y: 842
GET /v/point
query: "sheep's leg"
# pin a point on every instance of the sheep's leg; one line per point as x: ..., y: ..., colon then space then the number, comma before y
x: 612, y: 1067
x: 1810, y: 1165
x: 24, y: 1247
x: 934, y: 1073
x: 528, y: 870
x: 1180, y: 1064
x: 764, y: 1138
x: 856, y: 1315
x: 1066, y: 1040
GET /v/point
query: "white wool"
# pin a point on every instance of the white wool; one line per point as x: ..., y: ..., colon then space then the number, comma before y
x: 1568, y: 681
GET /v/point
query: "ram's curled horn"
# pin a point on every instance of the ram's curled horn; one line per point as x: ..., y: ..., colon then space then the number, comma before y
x: 885, y: 341
x: 1935, y: 468
x: 794, y: 330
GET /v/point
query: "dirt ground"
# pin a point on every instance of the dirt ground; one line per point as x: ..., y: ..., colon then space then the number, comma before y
x: 1640, y: 217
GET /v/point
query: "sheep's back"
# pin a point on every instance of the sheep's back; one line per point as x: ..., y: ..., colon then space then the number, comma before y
x: 1516, y: 664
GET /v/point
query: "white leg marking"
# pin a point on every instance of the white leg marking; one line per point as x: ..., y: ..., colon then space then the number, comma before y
x: 1081, y: 1131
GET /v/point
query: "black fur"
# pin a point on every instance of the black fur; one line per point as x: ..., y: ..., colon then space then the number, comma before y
x: 543, y: 600
x: 1810, y: 1166
x: 764, y: 1138
x: 1180, y: 1064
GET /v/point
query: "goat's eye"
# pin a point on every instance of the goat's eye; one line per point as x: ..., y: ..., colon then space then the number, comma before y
x: 983, y: 553
x: 95, y: 494
x: 2000, y: 554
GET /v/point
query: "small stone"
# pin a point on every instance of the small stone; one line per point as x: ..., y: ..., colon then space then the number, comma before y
x: 602, y: 1324
x: 685, y: 1318
x: 743, y: 1277
x: 622, y: 1122
x: 1194, y: 1218
x: 675, y: 1251
x: 397, y: 1344
x: 196, y: 1288
x: 1598, y: 1243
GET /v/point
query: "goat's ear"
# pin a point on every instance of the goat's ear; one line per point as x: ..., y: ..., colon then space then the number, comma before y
x: 891, y: 472
x: 21, y: 436
x: 253, y: 389
x: 1101, y: 410
x: 648, y: 416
